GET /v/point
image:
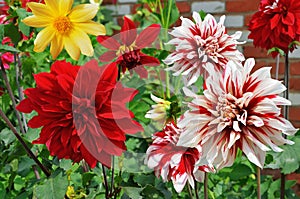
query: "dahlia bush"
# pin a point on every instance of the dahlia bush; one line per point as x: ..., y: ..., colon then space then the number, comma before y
x: 157, y: 106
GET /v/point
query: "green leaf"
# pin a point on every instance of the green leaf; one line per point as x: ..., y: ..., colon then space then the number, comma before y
x: 240, y: 171
x: 12, y: 32
x: 1, y: 31
x: 5, y: 48
x: 52, y: 188
x: 202, y: 14
x: 87, y: 177
x: 7, y: 136
x: 288, y: 160
x: 133, y: 192
x: 23, y: 28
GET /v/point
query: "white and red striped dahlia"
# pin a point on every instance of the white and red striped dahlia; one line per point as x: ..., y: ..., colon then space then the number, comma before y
x: 237, y: 110
x: 173, y: 162
x: 201, y: 44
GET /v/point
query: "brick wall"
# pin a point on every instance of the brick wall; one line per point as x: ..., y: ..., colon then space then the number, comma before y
x: 238, y: 13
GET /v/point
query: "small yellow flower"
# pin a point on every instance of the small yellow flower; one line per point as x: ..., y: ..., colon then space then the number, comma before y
x: 97, y: 2
x: 159, y: 110
x: 64, y: 26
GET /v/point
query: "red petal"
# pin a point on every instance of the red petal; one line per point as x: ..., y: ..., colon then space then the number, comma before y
x: 108, y: 42
x: 148, y: 36
x: 274, y: 21
x: 25, y: 106
x: 148, y: 60
x: 128, y: 32
x: 289, y: 19
x: 110, y: 73
x: 107, y: 56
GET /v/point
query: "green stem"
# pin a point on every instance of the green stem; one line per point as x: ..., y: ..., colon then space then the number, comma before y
x: 27, y: 149
x: 105, y: 182
x: 196, y: 189
x: 170, y: 2
x: 168, y: 85
x: 161, y: 13
x: 190, y: 191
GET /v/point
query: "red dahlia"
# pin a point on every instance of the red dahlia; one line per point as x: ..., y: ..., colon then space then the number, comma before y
x: 276, y: 24
x: 82, y: 112
x: 127, y: 46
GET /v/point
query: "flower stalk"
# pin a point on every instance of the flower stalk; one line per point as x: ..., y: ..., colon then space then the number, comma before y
x: 27, y: 149
x: 11, y: 94
x: 285, y: 113
x: 258, y: 183
x: 205, y: 185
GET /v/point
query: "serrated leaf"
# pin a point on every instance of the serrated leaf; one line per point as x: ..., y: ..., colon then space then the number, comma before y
x: 52, y: 188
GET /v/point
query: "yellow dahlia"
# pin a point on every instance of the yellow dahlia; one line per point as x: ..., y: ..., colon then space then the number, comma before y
x: 64, y: 26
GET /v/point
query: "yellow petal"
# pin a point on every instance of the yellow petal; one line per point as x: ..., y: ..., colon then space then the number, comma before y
x: 83, y: 12
x: 43, y: 39
x: 35, y: 21
x: 57, y: 45
x: 65, y: 7
x: 52, y: 5
x: 82, y: 40
x: 40, y: 10
x: 72, y: 49
x: 92, y: 28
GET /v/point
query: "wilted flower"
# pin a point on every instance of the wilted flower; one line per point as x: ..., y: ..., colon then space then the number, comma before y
x: 237, y: 110
x: 159, y: 110
x: 128, y: 49
x: 64, y: 26
x: 276, y: 24
x: 173, y: 162
x: 82, y: 112
x: 201, y: 44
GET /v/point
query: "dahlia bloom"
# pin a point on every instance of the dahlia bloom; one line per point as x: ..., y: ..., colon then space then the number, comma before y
x: 127, y: 50
x: 64, y: 26
x: 237, y: 110
x: 276, y: 24
x: 201, y: 44
x: 159, y: 110
x: 82, y: 112
x: 175, y: 162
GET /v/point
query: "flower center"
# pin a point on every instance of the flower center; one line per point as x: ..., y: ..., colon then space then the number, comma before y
x: 131, y: 59
x: 62, y: 24
x: 232, y: 111
x: 208, y: 47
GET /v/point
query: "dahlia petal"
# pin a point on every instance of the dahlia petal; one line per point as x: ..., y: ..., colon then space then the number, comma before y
x: 289, y: 19
x: 52, y: 4
x: 179, y: 183
x: 275, y: 21
x: 108, y: 42
x: 128, y: 32
x: 148, y: 60
x: 40, y: 10
x: 92, y: 28
x: 64, y: 6
x: 82, y: 40
x: 254, y: 154
x: 72, y: 49
x: 57, y: 45
x: 43, y: 38
x: 44, y: 81
x: 25, y: 106
x: 36, y: 21
x: 83, y: 13
x: 147, y: 36
x: 107, y: 56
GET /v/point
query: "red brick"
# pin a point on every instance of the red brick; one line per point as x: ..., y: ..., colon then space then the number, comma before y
x: 135, y: 6
x: 247, y: 19
x: 242, y: 5
x: 296, y: 124
x: 295, y: 84
x: 183, y: 7
x: 294, y: 113
x: 251, y: 51
x: 295, y: 68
